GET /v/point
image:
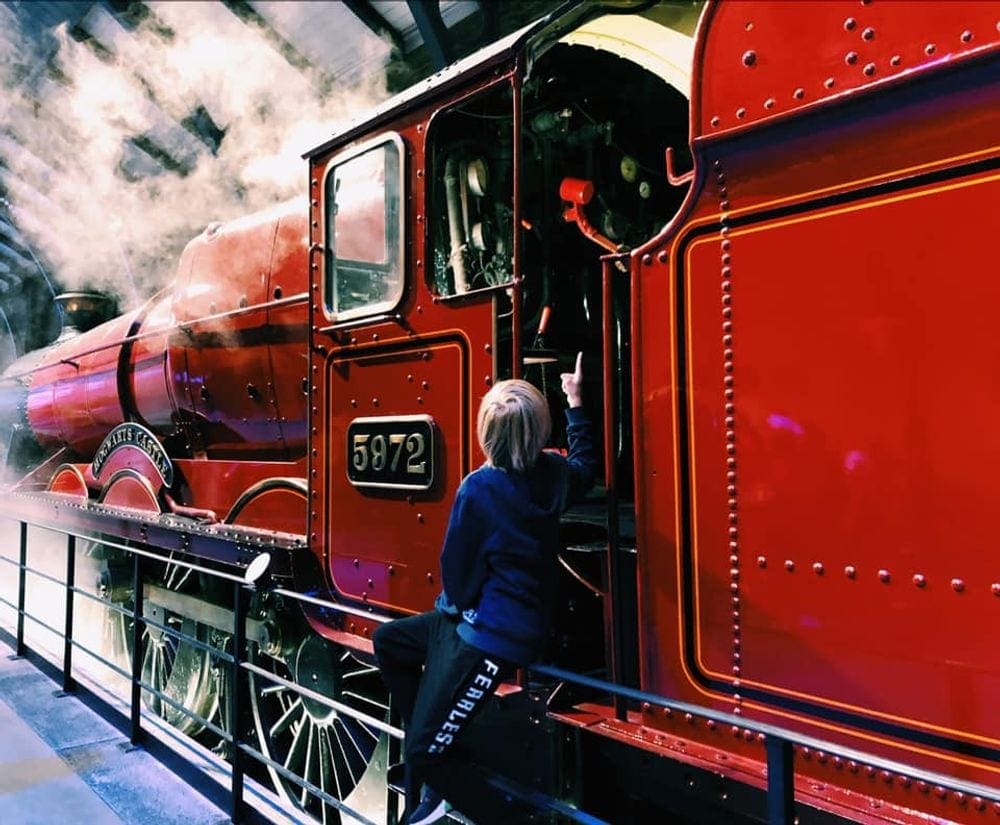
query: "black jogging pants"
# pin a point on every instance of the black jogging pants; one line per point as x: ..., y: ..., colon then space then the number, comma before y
x: 439, y: 683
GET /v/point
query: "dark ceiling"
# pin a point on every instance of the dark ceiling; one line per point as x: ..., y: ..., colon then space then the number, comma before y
x: 331, y: 44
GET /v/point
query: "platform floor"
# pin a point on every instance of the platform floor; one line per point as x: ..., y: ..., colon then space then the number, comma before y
x: 62, y: 764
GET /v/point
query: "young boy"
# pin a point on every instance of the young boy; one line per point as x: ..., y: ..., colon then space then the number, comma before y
x: 498, y: 568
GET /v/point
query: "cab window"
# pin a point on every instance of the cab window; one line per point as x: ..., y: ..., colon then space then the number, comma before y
x: 472, y: 194
x: 364, y: 272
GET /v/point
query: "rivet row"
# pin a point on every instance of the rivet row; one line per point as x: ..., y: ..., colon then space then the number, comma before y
x: 728, y: 368
x: 885, y: 576
x: 749, y: 60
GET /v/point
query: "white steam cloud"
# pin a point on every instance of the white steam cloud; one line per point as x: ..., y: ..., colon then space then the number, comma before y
x: 99, y: 174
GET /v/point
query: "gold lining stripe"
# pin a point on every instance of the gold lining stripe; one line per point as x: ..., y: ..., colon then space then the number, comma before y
x: 869, y: 712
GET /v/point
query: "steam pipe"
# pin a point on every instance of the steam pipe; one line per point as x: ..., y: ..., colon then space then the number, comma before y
x: 517, y: 293
x: 577, y: 193
x: 456, y: 256
x: 13, y: 403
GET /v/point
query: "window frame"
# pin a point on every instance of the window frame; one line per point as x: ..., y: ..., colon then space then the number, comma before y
x: 394, y: 300
x: 495, y: 85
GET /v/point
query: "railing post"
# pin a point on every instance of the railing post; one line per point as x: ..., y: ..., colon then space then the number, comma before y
x: 394, y: 756
x: 21, y: 578
x: 68, y: 636
x: 239, y: 642
x: 135, y: 715
x: 614, y: 601
x: 780, y: 781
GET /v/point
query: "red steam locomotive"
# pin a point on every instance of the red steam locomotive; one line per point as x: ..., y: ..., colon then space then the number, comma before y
x: 789, y: 352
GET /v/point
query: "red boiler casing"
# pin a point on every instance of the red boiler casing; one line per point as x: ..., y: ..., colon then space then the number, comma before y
x: 216, y: 359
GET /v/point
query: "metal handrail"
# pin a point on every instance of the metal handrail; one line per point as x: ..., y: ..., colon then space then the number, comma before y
x: 124, y: 611
x: 233, y: 738
x: 35, y: 619
x: 340, y: 608
x: 169, y: 533
x: 371, y: 721
x: 776, y: 737
x: 304, y: 783
x: 778, y: 741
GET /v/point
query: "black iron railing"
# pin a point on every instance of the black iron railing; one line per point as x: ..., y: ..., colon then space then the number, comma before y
x: 778, y: 742
x: 239, y: 750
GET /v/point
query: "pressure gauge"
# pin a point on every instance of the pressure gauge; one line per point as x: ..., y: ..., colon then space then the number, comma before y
x: 629, y: 169
x: 477, y: 175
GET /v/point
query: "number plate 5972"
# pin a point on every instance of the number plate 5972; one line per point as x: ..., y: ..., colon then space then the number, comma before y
x: 393, y: 451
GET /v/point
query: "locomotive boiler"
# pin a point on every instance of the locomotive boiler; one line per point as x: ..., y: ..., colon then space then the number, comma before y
x: 767, y: 226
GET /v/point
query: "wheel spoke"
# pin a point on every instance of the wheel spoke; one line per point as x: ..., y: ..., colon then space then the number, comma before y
x: 312, y: 760
x: 329, y: 749
x: 183, y: 673
x: 350, y: 736
x: 296, y: 751
x: 155, y: 679
x: 163, y: 667
x: 336, y: 736
x: 177, y: 576
x: 294, y: 712
x: 169, y: 656
x: 325, y: 771
x: 329, y: 734
x: 380, y: 706
x: 354, y: 674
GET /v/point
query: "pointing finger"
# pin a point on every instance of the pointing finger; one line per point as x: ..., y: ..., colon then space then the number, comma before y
x: 579, y: 365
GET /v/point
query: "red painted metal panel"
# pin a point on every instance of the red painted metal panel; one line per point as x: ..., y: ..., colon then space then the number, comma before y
x: 41, y: 406
x: 372, y: 530
x: 885, y: 139
x: 74, y: 397
x: 383, y: 545
x: 100, y: 373
x: 865, y: 456
x: 226, y: 351
x: 68, y: 480
x: 76, y: 426
x: 226, y: 366
x: 278, y: 507
x: 379, y: 368
x: 216, y: 485
x: 288, y: 325
x: 159, y: 389
x: 657, y: 399
x: 131, y: 491
x: 767, y: 59
x: 828, y: 282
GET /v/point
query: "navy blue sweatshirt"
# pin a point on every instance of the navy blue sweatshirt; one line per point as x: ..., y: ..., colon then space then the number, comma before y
x: 498, y: 564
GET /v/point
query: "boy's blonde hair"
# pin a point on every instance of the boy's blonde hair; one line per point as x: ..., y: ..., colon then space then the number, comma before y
x: 513, y: 425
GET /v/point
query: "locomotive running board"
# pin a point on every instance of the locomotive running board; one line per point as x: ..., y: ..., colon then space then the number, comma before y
x: 232, y: 546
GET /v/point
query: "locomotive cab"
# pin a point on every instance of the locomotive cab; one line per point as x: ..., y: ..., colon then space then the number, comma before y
x: 476, y: 232
x: 590, y: 182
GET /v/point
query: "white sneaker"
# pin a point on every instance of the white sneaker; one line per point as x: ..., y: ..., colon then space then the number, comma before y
x: 432, y: 808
